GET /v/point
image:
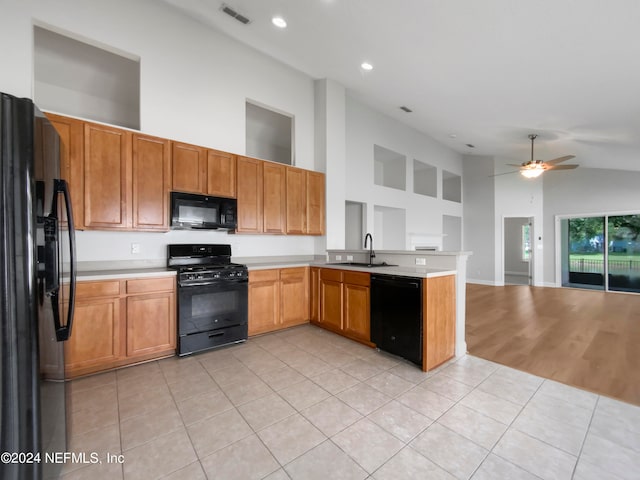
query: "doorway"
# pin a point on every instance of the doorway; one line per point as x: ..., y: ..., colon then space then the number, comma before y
x: 518, y: 254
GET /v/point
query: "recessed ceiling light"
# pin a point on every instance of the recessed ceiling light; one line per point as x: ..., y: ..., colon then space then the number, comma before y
x: 279, y: 22
x: 366, y: 66
x: 452, y: 135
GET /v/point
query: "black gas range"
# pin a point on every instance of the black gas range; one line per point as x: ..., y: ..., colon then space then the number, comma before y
x: 212, y: 296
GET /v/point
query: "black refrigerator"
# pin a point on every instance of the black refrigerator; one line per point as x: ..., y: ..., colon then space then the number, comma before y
x: 37, y: 280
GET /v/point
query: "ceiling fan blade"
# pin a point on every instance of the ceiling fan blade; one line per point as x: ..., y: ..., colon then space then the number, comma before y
x: 555, y: 161
x: 563, y: 167
x: 505, y: 173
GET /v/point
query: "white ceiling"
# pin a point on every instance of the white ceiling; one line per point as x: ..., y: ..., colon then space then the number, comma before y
x: 488, y: 71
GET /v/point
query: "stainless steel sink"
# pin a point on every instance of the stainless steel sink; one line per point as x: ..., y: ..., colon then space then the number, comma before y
x: 364, y: 264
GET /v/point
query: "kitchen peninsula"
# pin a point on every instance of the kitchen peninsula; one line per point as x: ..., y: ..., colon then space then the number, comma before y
x: 284, y: 292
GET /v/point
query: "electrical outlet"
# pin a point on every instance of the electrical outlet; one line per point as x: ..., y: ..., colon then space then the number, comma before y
x: 135, y: 248
x: 338, y: 257
x: 349, y: 258
x: 421, y: 261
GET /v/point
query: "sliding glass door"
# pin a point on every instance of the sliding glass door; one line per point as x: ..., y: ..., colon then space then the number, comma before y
x: 602, y: 252
x: 623, y: 264
x: 586, y: 252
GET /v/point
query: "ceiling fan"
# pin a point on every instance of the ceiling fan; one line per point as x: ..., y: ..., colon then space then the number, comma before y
x: 535, y: 168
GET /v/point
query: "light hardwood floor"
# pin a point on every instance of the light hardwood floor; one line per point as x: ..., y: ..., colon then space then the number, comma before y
x: 587, y: 339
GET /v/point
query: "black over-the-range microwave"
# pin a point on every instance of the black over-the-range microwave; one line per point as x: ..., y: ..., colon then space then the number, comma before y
x: 203, y: 212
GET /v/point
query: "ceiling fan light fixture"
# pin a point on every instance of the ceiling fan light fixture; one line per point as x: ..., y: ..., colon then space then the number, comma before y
x: 532, y: 172
x: 279, y: 22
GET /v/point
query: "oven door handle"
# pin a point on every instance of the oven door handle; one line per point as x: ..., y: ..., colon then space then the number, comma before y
x: 221, y: 282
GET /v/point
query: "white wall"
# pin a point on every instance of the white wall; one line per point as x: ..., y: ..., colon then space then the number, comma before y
x: 585, y: 191
x: 365, y: 128
x: 194, y: 86
x: 478, y: 230
x: 116, y: 246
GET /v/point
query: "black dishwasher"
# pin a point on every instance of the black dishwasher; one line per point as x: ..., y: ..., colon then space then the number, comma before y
x: 396, y: 315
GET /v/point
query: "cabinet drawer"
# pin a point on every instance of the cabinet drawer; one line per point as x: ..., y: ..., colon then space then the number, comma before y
x: 357, y: 278
x: 150, y: 285
x: 264, y: 276
x: 292, y: 274
x: 97, y: 289
x: 331, y: 274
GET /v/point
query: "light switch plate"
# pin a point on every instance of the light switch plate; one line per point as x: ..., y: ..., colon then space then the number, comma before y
x: 135, y: 248
x: 421, y: 261
x: 349, y: 258
x: 338, y: 257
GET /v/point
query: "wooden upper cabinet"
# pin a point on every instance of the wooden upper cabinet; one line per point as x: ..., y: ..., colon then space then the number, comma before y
x: 221, y: 174
x: 189, y: 168
x: 315, y: 203
x: 296, y: 201
x: 274, y: 184
x: 249, y: 192
x: 107, y: 176
x: 71, y: 132
x: 151, y: 181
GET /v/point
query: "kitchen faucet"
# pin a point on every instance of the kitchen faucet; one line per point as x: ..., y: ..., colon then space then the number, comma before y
x: 372, y: 254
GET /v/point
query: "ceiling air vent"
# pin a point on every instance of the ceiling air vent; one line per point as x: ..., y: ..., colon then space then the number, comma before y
x: 232, y: 13
x: 406, y: 109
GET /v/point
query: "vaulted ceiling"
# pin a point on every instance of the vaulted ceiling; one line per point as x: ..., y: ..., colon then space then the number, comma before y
x: 480, y: 72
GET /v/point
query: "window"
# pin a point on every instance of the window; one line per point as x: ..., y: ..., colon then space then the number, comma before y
x: 526, y: 243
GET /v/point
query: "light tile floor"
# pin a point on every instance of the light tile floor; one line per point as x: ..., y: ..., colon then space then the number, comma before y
x: 307, y: 404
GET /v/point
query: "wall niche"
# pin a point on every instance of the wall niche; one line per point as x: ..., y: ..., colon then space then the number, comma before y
x: 75, y: 78
x: 389, y: 169
x: 425, y: 179
x: 269, y: 134
x: 451, y: 187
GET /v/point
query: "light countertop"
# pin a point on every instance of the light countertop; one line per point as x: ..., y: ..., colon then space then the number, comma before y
x: 124, y: 273
x: 96, y: 275
x: 419, y: 272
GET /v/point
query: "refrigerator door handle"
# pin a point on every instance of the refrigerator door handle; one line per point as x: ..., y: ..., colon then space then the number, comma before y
x: 63, y: 331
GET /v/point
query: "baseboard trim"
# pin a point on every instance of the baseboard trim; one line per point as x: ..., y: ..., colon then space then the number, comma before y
x: 483, y: 282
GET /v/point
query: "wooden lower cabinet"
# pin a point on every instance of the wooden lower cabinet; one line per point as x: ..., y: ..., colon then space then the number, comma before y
x: 344, y: 303
x: 264, y: 301
x: 278, y: 298
x: 331, y: 299
x: 151, y: 324
x: 438, y: 320
x: 314, y: 294
x: 96, y: 336
x: 294, y: 296
x: 357, y: 321
x: 118, y: 322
